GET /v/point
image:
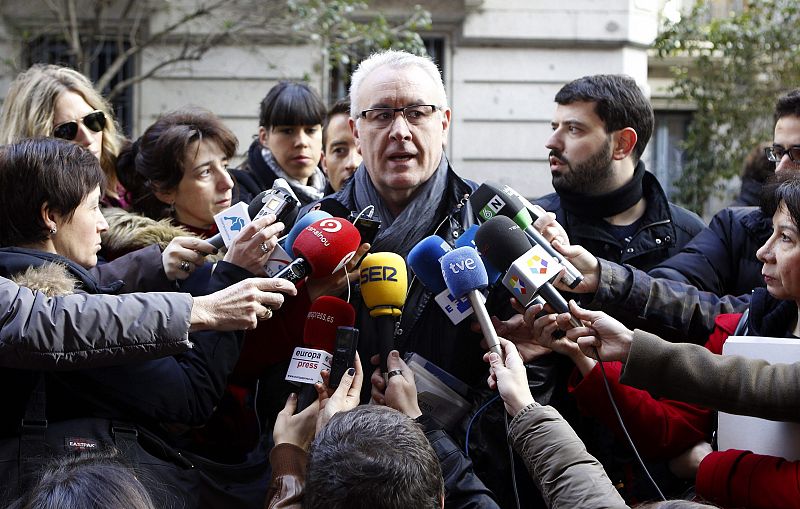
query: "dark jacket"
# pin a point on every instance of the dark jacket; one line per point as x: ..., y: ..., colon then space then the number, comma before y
x: 173, y: 389
x: 722, y: 258
x: 665, y: 229
x: 253, y: 175
x: 426, y: 330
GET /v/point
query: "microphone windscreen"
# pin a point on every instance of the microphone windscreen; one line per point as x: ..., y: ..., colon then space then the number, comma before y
x: 325, y: 316
x: 468, y: 239
x: 327, y: 245
x: 256, y: 204
x: 463, y: 271
x: 300, y: 225
x: 492, y: 199
x: 384, y: 283
x: 424, y: 260
x: 501, y: 241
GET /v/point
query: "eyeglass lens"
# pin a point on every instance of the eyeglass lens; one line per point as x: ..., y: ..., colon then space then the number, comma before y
x: 96, y: 121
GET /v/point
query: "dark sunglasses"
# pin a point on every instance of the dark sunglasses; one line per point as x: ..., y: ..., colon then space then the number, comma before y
x: 96, y: 121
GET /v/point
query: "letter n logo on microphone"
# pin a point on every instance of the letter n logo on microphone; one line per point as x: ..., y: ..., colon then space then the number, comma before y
x: 492, y: 208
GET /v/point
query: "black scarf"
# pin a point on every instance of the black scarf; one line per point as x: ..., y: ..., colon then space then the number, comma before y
x: 605, y: 205
x: 769, y: 316
x: 419, y: 218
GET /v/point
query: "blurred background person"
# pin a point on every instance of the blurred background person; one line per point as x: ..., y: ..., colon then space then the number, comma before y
x: 340, y: 155
x: 756, y: 170
x: 50, y: 100
x: 289, y: 144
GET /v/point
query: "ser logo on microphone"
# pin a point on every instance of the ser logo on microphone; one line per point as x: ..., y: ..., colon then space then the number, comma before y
x: 378, y: 273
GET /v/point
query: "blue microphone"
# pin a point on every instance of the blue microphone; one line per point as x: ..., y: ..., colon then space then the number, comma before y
x: 468, y: 239
x: 424, y: 260
x: 300, y: 225
x: 465, y: 274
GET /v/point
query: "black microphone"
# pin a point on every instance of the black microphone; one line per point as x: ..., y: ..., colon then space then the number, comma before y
x: 492, y: 199
x: 529, y: 270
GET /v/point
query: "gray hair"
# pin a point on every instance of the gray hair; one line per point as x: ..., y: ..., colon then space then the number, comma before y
x: 396, y: 60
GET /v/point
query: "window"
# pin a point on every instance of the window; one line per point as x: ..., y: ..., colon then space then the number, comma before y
x: 48, y: 49
x: 340, y: 75
x: 666, y: 153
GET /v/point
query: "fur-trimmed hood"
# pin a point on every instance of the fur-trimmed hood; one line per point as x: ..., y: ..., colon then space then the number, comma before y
x: 128, y: 232
x: 52, y: 279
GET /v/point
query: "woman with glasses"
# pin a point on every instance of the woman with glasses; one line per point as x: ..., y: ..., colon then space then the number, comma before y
x: 55, y: 101
x: 289, y: 144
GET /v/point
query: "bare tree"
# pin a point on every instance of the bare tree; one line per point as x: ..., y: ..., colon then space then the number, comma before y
x: 185, y: 30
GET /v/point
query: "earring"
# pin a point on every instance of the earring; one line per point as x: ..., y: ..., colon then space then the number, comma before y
x: 53, y: 230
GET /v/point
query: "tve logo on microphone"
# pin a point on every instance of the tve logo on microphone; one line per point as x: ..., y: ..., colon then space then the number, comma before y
x: 462, y: 265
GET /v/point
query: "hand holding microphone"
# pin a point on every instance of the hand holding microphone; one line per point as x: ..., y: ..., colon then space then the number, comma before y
x: 321, y: 249
x: 492, y: 200
x: 384, y: 284
x: 326, y: 315
x: 529, y: 269
x: 465, y: 275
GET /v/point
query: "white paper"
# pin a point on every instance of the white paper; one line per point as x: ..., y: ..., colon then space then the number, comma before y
x: 761, y: 436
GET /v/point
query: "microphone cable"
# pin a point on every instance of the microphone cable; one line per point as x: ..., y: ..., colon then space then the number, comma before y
x: 511, y: 462
x: 622, y: 425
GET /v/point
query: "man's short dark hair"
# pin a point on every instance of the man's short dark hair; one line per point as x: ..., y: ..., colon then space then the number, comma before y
x: 38, y: 171
x: 340, y: 107
x: 619, y: 102
x: 376, y: 457
x: 788, y: 104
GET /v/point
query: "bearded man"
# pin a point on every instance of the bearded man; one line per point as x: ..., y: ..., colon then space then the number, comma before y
x: 605, y: 198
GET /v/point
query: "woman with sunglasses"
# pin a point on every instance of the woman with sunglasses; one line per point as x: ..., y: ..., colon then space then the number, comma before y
x: 289, y: 144
x: 55, y: 101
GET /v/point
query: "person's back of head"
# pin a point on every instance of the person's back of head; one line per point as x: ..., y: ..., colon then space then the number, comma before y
x: 376, y: 457
x: 619, y: 102
x: 95, y: 480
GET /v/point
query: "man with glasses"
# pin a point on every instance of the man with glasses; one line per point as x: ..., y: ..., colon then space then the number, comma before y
x: 722, y: 258
x: 400, y: 116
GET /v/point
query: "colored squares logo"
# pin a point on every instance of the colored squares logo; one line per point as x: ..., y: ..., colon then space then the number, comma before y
x: 537, y: 264
x: 518, y: 285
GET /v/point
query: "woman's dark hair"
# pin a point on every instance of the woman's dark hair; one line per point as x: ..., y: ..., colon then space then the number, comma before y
x: 155, y: 162
x: 96, y: 480
x: 785, y: 187
x: 38, y: 171
x: 291, y: 103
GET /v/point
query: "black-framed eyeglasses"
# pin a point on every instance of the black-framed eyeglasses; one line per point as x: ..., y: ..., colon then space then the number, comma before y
x: 415, y: 114
x: 776, y: 152
x: 96, y: 121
